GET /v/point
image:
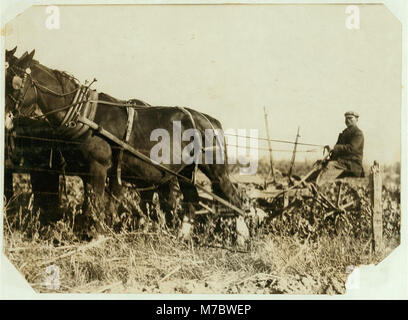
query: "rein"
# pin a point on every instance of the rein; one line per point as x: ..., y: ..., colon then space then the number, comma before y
x: 36, y: 84
x: 42, y: 88
x: 123, y: 105
x: 38, y: 87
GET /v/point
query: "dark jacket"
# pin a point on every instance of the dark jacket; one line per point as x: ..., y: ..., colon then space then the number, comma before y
x: 349, y: 150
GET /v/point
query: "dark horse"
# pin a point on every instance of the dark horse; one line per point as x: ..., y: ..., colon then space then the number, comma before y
x: 30, y: 83
x: 24, y: 154
x: 30, y: 149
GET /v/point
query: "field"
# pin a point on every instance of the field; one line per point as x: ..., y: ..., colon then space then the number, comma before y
x: 293, y: 253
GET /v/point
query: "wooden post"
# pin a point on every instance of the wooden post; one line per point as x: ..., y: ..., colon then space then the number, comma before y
x: 292, y: 161
x: 269, y: 145
x: 376, y: 203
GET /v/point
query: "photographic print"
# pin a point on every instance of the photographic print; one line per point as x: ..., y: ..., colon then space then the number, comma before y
x: 201, y: 149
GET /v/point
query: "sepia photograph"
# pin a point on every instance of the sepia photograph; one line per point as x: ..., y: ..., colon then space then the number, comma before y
x: 220, y: 149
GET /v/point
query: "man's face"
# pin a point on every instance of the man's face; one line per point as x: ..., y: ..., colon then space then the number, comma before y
x: 351, y: 121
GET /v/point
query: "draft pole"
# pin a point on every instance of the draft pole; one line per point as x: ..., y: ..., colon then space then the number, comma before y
x: 292, y: 161
x: 272, y: 172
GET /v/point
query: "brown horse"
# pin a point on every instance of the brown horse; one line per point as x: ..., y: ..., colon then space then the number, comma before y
x: 26, y: 155
x: 30, y: 83
x: 26, y: 152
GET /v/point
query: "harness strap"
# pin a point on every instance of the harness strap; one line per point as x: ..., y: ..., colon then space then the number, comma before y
x: 82, y: 105
x: 69, y: 112
x: 89, y: 111
x: 215, y: 133
x: 121, y: 104
x: 68, y: 124
x: 131, y: 114
x: 188, y: 113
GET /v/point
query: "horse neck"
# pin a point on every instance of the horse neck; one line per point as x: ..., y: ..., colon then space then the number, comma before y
x: 55, y: 82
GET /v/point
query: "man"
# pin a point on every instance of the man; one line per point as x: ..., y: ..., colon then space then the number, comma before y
x: 346, y: 157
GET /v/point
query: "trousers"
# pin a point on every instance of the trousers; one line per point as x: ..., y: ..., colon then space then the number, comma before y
x: 330, y: 172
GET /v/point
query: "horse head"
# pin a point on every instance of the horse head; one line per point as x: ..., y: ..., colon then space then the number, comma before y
x: 20, y: 91
x: 34, y: 90
x: 10, y: 59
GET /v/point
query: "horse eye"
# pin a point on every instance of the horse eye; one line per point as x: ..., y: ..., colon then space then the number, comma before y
x: 7, y: 65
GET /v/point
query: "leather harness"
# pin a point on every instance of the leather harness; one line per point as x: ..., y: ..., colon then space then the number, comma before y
x: 129, y: 126
x: 85, y: 105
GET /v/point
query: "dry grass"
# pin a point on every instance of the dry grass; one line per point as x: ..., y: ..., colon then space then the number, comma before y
x: 159, y: 263
x: 156, y: 261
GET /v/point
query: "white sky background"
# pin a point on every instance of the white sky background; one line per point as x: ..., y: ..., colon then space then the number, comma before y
x: 300, y: 61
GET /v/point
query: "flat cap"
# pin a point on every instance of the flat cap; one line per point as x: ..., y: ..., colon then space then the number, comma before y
x: 351, y: 113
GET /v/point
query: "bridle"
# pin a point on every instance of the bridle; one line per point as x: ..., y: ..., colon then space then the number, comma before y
x: 19, y: 81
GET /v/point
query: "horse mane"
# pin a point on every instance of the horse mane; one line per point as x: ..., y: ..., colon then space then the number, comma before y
x: 61, y: 76
x: 64, y: 78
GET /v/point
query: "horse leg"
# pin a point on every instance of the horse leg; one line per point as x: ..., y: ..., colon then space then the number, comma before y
x: 82, y: 222
x: 169, y: 196
x: 188, y: 190
x: 96, y: 188
x: 92, y: 220
x: 45, y: 188
x: 190, y: 200
x: 115, y: 194
x: 8, y: 166
x: 149, y: 205
x: 222, y: 186
x: 114, y: 200
x: 8, y: 184
x: 9, y: 204
x: 220, y: 182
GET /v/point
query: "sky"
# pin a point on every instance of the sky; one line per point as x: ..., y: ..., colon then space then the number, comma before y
x: 300, y: 62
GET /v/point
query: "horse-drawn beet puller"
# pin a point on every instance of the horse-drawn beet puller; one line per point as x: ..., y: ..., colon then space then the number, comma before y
x: 100, y: 138
x: 329, y: 175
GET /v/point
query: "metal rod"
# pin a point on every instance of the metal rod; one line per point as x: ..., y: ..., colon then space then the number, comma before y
x: 274, y: 140
x: 292, y: 161
x: 269, y: 145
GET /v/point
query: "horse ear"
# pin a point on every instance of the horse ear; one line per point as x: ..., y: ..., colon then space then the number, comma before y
x: 10, y: 53
x: 31, y: 55
x: 23, y: 56
x: 26, y: 59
